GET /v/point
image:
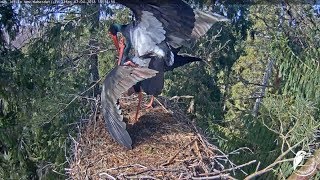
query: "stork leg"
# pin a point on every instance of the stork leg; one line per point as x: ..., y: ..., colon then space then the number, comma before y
x: 149, y: 105
x: 138, y: 107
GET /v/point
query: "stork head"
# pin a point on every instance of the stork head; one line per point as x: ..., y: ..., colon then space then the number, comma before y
x: 113, y: 31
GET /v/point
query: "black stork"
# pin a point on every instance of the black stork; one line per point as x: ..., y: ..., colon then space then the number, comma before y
x: 161, y: 27
x: 118, y: 81
x: 153, y: 86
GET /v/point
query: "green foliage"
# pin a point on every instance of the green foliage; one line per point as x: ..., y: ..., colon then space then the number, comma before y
x: 296, y: 118
x: 299, y: 69
x: 8, y: 22
x: 31, y: 133
x: 41, y: 84
x: 235, y: 75
x: 293, y: 121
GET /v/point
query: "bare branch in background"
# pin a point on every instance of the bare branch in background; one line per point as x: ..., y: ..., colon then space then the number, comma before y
x: 276, y: 162
x: 264, y: 87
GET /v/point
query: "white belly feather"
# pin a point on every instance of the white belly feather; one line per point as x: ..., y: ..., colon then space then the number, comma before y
x: 147, y: 34
x: 141, y: 62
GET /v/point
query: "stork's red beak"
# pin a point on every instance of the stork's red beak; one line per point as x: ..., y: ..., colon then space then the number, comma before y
x: 115, y: 40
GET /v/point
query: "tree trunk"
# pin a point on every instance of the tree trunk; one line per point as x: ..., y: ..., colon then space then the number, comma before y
x: 94, y: 12
x: 94, y: 72
x: 1, y: 107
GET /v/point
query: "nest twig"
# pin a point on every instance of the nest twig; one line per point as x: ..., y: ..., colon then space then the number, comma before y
x: 165, y: 146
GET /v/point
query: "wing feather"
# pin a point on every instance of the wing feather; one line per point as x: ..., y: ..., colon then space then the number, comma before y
x: 204, y: 22
x: 176, y: 17
x: 119, y: 80
x: 179, y: 23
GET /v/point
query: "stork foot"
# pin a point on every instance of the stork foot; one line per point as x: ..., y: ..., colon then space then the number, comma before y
x: 130, y: 63
x: 149, y: 105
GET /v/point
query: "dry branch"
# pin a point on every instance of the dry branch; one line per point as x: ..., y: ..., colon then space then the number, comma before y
x: 166, y: 145
x: 276, y: 162
x: 266, y: 77
x: 309, y: 169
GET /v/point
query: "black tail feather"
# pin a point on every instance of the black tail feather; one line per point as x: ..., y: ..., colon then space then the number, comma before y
x: 180, y: 60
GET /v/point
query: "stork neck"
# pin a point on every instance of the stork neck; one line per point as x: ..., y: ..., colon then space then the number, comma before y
x: 122, y: 29
x: 126, y: 50
x: 119, y: 27
x: 128, y: 47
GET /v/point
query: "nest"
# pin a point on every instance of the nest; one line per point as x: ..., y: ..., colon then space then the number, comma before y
x: 166, y: 145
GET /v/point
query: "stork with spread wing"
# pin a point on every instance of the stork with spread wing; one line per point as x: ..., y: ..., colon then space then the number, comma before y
x: 161, y: 28
x: 161, y: 25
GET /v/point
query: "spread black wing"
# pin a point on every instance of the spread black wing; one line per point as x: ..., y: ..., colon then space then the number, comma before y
x: 204, y: 22
x: 119, y: 80
x: 177, y: 17
x: 180, y: 22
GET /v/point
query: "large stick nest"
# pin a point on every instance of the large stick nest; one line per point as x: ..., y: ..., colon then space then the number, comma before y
x: 166, y: 145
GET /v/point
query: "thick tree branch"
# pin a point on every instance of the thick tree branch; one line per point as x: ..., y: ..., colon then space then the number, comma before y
x: 309, y: 169
x: 276, y: 162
